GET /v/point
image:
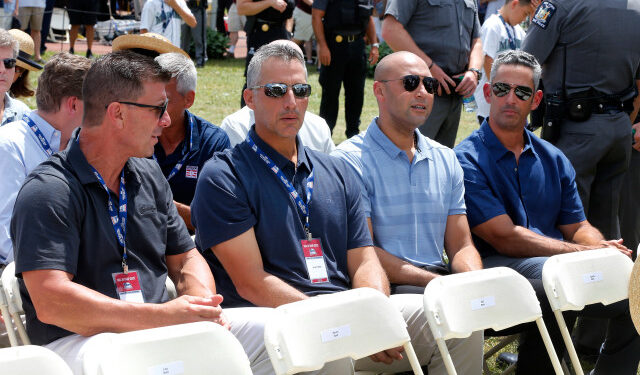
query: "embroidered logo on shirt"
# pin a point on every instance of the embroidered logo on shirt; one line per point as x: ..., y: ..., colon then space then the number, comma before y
x: 543, y: 14
x: 191, y: 171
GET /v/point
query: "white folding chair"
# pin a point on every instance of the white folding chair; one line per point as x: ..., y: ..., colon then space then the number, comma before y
x: 6, y: 317
x: 14, y: 302
x: 32, y: 359
x: 572, y: 281
x: 460, y: 304
x: 304, y: 335
x: 193, y: 348
x: 60, y: 25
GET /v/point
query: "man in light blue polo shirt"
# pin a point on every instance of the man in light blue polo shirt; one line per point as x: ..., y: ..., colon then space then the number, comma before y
x: 413, y: 190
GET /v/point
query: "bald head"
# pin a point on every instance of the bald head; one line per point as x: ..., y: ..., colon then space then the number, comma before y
x: 394, y: 64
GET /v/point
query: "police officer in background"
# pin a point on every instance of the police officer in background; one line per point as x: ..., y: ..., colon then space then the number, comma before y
x: 265, y: 23
x: 590, y: 54
x: 340, y: 27
x: 198, y: 33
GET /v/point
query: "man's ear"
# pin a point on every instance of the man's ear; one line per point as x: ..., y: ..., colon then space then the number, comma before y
x: 247, y: 94
x: 115, y: 114
x: 537, y: 98
x: 189, y: 98
x: 377, y: 89
x: 486, y: 90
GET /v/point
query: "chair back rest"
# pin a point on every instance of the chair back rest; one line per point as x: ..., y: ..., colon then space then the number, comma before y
x: 459, y: 304
x: 60, y: 19
x: 574, y: 280
x: 31, y: 359
x: 193, y: 348
x: 11, y: 289
x: 303, y: 335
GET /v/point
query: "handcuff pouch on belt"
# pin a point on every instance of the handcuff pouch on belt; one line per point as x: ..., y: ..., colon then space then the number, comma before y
x: 580, y: 103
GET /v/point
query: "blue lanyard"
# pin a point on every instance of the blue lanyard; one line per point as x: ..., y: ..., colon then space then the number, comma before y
x: 118, y: 217
x: 43, y: 142
x: 302, y: 206
x: 165, y: 17
x: 180, y: 163
x: 512, y: 38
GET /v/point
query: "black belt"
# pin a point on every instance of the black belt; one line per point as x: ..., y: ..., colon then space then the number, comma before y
x: 265, y: 25
x: 346, y: 37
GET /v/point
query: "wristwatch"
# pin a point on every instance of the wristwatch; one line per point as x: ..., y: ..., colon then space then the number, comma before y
x: 377, y: 45
x: 478, y: 73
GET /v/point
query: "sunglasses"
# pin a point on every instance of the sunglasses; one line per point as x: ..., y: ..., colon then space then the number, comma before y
x: 501, y: 89
x: 277, y: 90
x: 160, y: 108
x: 412, y: 81
x: 9, y: 63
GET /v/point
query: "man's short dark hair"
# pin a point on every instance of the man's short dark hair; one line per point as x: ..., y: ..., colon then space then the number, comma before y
x: 117, y: 76
x: 62, y: 77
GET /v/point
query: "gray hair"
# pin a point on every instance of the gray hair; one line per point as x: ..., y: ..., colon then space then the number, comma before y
x: 284, y: 50
x: 181, y: 68
x: 6, y: 40
x: 518, y: 57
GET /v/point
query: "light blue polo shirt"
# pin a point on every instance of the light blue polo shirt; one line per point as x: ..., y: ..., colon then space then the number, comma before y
x: 408, y: 202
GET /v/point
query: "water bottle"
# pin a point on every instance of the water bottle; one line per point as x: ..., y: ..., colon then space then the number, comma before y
x: 469, y: 104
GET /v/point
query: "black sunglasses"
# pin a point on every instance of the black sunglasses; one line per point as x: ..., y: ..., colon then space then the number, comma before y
x: 9, y: 63
x: 412, y: 81
x: 277, y: 90
x: 501, y: 89
x: 160, y: 108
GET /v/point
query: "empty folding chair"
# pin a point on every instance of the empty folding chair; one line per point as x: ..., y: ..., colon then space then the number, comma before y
x: 60, y: 25
x: 460, y: 304
x: 14, y: 302
x: 193, y: 348
x: 304, y: 335
x: 31, y: 359
x: 572, y: 281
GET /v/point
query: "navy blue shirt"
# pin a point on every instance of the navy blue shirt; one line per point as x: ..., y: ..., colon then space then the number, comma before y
x: 199, y: 145
x: 539, y: 192
x: 236, y: 191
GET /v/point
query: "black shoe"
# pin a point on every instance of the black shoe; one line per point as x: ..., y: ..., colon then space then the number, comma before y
x: 71, y: 51
x: 200, y: 65
x: 89, y: 54
x: 507, y: 358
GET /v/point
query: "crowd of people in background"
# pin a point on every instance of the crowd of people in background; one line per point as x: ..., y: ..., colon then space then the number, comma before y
x: 112, y: 173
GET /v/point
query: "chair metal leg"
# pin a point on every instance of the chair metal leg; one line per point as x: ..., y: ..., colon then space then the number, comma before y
x: 547, y: 342
x: 566, y: 336
x: 446, y: 357
x: 413, y: 358
x: 17, y: 320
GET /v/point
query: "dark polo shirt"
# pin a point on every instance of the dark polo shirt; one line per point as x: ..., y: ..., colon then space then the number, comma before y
x: 61, y: 222
x: 537, y: 192
x: 205, y: 139
x: 236, y: 191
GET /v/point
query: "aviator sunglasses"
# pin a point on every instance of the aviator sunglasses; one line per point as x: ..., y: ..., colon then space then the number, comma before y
x: 412, y: 81
x: 277, y: 90
x: 501, y: 89
x: 9, y: 63
x: 161, y: 109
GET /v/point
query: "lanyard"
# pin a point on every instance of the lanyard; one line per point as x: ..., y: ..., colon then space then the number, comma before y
x: 119, y: 221
x: 43, y: 142
x: 180, y: 163
x: 302, y: 206
x: 512, y: 38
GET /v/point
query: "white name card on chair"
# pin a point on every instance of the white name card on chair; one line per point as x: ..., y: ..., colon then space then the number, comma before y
x: 173, y: 368
x: 336, y: 333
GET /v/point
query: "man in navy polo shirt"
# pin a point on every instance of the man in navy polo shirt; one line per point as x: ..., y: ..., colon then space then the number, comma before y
x: 190, y: 140
x: 523, y: 204
x: 258, y: 205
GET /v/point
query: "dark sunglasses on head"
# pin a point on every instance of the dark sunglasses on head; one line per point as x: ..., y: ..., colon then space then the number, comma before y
x: 277, y: 90
x: 501, y: 89
x: 9, y: 63
x: 161, y: 109
x: 412, y: 81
